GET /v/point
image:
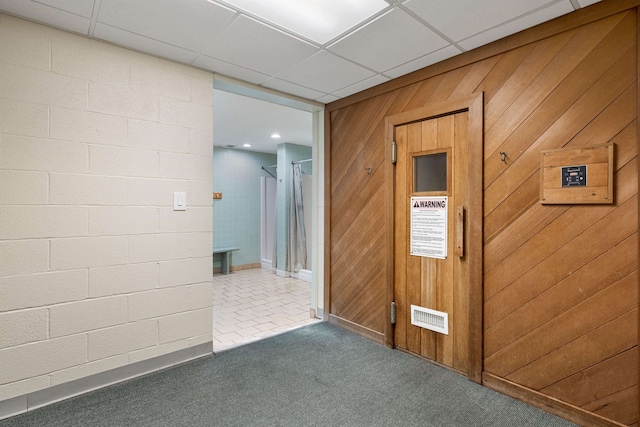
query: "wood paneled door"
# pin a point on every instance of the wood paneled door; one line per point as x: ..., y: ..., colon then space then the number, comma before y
x: 433, y: 211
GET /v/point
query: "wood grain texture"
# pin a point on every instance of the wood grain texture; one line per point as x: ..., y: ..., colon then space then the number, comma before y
x: 532, y: 35
x: 559, y: 283
x: 636, y: 422
x: 439, y: 284
x: 357, y: 329
x: 452, y: 285
x: 570, y: 412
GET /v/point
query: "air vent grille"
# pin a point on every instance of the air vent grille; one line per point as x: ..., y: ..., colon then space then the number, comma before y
x: 430, y: 319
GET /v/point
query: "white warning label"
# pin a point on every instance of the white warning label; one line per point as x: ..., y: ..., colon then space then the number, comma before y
x: 429, y: 223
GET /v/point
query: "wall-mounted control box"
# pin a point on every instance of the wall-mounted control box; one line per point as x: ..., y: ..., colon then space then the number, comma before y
x: 573, y: 176
x: 577, y: 175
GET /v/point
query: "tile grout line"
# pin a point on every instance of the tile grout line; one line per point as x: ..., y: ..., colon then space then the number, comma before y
x: 248, y: 295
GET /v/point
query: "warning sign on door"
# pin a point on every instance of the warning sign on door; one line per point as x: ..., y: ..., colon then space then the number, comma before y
x: 429, y: 226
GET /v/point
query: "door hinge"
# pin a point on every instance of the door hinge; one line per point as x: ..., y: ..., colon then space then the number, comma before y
x: 394, y: 152
x: 393, y: 312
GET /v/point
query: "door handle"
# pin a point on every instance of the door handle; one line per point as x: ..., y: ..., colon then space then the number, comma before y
x: 460, y: 231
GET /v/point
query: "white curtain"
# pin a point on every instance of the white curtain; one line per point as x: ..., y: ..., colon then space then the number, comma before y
x: 297, y: 250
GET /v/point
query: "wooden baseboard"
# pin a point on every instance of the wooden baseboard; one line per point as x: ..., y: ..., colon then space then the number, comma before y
x: 357, y: 329
x: 237, y: 268
x: 549, y: 404
x: 246, y: 266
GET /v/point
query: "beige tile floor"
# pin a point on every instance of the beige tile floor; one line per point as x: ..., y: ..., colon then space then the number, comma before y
x: 249, y: 305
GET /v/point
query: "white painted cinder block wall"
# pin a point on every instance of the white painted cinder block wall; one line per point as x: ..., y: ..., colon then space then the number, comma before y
x: 96, y: 269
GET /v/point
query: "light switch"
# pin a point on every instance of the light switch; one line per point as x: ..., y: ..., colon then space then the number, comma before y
x: 179, y: 201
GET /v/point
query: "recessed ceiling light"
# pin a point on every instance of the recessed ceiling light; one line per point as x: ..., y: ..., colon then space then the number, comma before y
x: 246, y: 145
x: 275, y: 135
x: 318, y: 20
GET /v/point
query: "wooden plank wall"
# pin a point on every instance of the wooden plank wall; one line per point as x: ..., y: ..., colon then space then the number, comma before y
x: 561, y: 281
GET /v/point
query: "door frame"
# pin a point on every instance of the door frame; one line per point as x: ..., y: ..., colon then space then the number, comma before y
x: 474, y: 104
x: 265, y: 212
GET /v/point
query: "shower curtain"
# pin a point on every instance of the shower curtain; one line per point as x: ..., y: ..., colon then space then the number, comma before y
x: 297, y: 250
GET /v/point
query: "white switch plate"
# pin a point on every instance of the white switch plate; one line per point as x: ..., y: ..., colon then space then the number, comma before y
x: 179, y: 201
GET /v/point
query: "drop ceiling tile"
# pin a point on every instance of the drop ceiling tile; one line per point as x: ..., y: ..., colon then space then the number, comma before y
x: 51, y: 16
x: 293, y: 89
x: 230, y: 70
x: 77, y: 7
x: 143, y: 44
x: 325, y: 72
x: 423, y: 61
x: 264, y: 49
x: 459, y: 20
x: 389, y: 41
x: 320, y: 21
x: 186, y: 24
x: 362, y: 85
x: 513, y: 27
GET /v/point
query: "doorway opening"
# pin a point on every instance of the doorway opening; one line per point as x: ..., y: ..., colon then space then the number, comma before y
x: 265, y: 293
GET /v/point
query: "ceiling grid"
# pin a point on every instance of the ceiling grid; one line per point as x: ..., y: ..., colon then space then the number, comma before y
x: 319, y: 51
x: 274, y: 44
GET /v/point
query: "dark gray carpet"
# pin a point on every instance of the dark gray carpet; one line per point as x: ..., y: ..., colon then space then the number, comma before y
x: 317, y: 375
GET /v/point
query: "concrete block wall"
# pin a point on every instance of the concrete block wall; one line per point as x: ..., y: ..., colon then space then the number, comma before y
x: 96, y: 269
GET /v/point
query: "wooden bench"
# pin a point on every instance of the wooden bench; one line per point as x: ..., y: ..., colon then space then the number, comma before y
x: 225, y: 260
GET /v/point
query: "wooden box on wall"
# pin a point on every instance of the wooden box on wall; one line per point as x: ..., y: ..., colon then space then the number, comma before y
x: 577, y: 176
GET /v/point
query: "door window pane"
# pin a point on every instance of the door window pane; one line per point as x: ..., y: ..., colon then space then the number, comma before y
x: 430, y: 172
